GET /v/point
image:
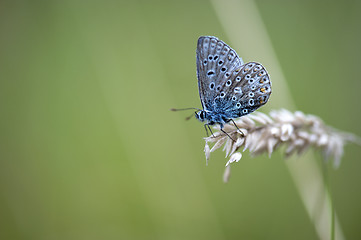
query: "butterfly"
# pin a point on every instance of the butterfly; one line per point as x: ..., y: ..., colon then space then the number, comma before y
x: 228, y: 88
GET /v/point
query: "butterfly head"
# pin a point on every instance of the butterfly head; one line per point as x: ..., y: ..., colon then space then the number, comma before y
x: 201, y: 115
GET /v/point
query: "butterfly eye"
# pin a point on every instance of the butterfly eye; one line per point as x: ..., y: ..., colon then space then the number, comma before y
x: 218, y: 88
x: 250, y: 65
x: 238, y: 78
x: 223, y: 69
x: 251, y: 94
x: 228, y: 83
x: 250, y: 81
x: 227, y: 74
x: 245, y: 111
x: 220, y: 62
x: 238, y: 105
x: 251, y: 102
x: 247, y: 77
x: 234, y: 98
x: 223, y: 94
x: 205, y: 62
x: 210, y: 57
x: 253, y: 87
x: 215, y: 58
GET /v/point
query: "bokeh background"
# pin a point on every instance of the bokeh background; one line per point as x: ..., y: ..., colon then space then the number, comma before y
x: 90, y: 150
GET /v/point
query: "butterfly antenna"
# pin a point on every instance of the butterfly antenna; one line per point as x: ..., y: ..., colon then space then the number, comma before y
x: 187, y: 118
x: 182, y: 109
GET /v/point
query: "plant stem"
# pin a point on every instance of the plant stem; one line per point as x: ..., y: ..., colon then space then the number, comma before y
x: 327, y: 183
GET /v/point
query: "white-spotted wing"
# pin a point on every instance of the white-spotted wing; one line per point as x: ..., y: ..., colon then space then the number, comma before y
x: 227, y: 86
x: 215, y: 61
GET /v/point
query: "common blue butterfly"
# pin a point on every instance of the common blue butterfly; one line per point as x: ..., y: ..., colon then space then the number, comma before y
x: 228, y: 88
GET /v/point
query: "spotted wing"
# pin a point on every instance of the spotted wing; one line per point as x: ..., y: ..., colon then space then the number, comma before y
x: 215, y: 62
x: 244, y: 91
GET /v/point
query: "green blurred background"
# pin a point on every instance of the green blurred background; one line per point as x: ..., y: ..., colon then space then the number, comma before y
x: 90, y: 150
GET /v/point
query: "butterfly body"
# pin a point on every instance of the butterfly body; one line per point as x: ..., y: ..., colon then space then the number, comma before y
x: 228, y: 88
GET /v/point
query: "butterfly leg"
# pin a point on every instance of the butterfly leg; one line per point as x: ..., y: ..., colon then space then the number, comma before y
x: 207, y: 127
x: 237, y: 128
x: 226, y: 133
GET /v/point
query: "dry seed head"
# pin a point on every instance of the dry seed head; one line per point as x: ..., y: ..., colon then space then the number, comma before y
x: 265, y: 134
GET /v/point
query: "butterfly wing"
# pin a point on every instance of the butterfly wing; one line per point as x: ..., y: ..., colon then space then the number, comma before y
x: 216, y: 61
x: 245, y: 90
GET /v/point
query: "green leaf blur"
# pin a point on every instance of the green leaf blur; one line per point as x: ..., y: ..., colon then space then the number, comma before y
x: 90, y: 150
